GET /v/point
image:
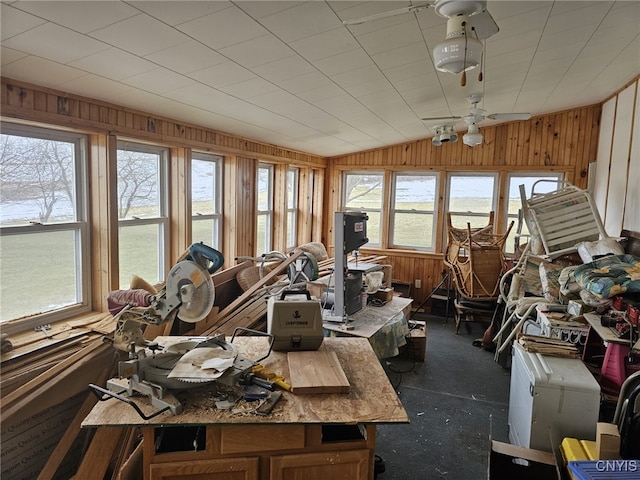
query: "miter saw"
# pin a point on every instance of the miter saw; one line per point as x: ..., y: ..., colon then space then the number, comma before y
x: 158, y: 372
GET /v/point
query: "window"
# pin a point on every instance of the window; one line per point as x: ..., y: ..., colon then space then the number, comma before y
x: 514, y: 203
x: 471, y: 198
x: 363, y: 192
x: 142, y: 212
x: 292, y: 206
x: 206, y: 199
x: 44, y: 244
x: 413, y: 217
x: 265, y: 209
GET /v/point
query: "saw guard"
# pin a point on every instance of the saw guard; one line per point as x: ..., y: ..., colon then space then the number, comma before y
x: 194, y: 287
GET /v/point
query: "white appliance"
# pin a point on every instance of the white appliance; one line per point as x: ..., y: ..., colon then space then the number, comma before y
x: 550, y: 397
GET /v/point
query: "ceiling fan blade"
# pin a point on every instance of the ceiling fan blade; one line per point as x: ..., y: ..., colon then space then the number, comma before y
x: 509, y: 116
x: 390, y: 13
x: 444, y: 119
x: 484, y: 25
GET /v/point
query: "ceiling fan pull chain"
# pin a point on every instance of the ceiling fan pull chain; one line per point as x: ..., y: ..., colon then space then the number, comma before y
x: 463, y: 79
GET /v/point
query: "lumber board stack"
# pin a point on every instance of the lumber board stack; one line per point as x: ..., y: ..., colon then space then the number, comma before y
x: 548, y: 346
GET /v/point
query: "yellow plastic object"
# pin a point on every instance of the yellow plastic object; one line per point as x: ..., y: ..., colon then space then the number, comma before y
x: 260, y: 371
x: 573, y: 449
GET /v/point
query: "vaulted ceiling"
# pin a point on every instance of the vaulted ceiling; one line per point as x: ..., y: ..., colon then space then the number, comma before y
x: 291, y: 73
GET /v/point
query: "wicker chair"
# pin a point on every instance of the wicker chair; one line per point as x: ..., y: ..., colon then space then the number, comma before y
x: 476, y: 260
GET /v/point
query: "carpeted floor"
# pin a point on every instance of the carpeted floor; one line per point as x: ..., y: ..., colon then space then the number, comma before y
x: 454, y: 400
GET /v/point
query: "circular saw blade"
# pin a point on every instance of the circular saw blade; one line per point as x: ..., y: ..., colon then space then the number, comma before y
x: 195, y: 289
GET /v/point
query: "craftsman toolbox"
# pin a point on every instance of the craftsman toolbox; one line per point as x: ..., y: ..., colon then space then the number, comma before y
x: 295, y: 323
x: 550, y: 397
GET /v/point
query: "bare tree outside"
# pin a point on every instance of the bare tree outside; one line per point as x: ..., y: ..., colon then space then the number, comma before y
x: 137, y: 183
x: 39, y: 172
x: 364, y: 182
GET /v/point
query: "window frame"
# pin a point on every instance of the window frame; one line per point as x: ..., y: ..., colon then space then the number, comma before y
x: 515, y: 216
x: 269, y: 212
x: 216, y: 216
x: 393, y: 210
x: 292, y: 207
x: 80, y: 225
x: 380, y: 210
x: 162, y: 220
x: 494, y: 200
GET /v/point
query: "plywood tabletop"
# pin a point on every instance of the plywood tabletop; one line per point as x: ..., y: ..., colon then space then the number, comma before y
x: 371, y: 398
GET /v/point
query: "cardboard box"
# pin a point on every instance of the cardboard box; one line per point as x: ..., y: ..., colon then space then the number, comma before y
x: 384, y: 294
x: 416, y: 346
x: 509, y: 462
x: 607, y: 441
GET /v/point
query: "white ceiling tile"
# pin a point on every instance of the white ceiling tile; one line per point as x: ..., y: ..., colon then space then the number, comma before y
x: 304, y: 20
x: 415, y: 52
x: 319, y: 94
x: 31, y: 67
x: 14, y: 22
x: 284, y: 68
x: 9, y: 55
x: 113, y: 63
x: 140, y: 35
x: 308, y: 82
x: 186, y: 57
x: 55, y: 43
x: 257, y: 51
x: 249, y: 88
x: 390, y: 38
x: 260, y: 8
x: 82, y: 17
x: 159, y: 81
x: 343, y: 62
x: 174, y: 13
x: 222, y: 74
x: 223, y: 28
x: 325, y: 44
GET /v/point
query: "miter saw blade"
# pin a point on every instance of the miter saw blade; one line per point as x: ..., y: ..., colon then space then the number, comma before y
x: 195, y: 290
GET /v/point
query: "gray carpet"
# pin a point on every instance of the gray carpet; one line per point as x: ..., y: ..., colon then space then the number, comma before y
x: 453, y: 400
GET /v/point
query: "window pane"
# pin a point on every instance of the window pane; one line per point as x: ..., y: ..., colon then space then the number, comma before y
x: 139, y: 253
x: 415, y: 192
x: 292, y: 188
x: 264, y: 189
x: 38, y: 180
x: 471, y: 199
x: 206, y: 201
x: 46, y: 261
x: 364, y: 192
x: 291, y: 229
x: 261, y: 246
x: 204, y: 230
x: 414, y: 206
x: 138, y: 181
x: 203, y: 182
x: 413, y: 229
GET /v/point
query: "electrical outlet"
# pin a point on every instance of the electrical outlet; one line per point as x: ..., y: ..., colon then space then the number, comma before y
x: 418, y: 283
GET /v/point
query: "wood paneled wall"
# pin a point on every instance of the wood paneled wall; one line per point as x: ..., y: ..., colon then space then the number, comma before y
x: 561, y: 142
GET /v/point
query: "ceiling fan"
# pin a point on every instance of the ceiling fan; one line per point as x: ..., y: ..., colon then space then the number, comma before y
x: 468, y: 23
x: 473, y: 136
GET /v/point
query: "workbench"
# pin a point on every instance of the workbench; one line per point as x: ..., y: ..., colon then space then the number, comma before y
x: 312, y: 436
x: 385, y: 327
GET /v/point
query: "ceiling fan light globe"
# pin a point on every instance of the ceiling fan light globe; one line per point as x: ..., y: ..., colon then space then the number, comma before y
x: 454, y: 138
x: 435, y: 141
x: 449, y: 55
x: 472, y: 139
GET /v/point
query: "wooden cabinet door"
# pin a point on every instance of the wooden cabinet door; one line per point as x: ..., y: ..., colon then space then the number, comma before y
x: 219, y: 469
x: 348, y: 464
